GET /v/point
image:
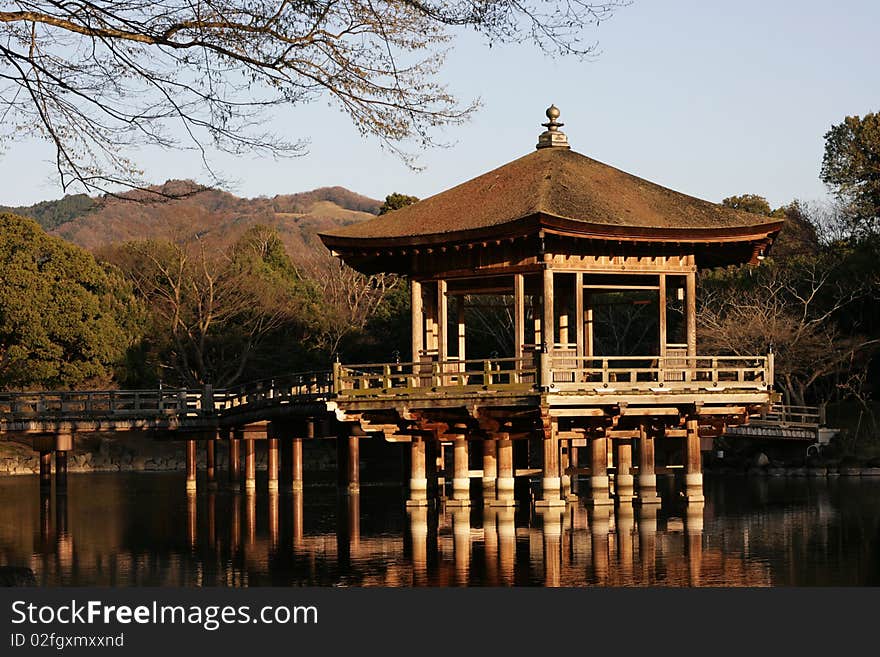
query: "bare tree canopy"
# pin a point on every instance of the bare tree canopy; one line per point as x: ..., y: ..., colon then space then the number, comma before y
x: 97, y: 77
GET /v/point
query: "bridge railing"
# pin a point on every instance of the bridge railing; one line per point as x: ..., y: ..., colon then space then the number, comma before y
x: 434, y: 376
x: 642, y: 373
x: 302, y: 385
x: 97, y: 403
x: 783, y: 416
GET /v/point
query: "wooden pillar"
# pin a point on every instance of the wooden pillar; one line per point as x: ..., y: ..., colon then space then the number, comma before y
x: 418, y: 319
x: 272, y: 463
x: 519, y: 315
x: 461, y: 480
x: 579, y: 315
x: 573, y: 460
x: 691, y: 313
x: 210, y: 463
x: 588, y: 328
x: 46, y: 469
x: 550, y: 481
x: 442, y: 328
x: 661, y: 301
x: 296, y: 457
x: 564, y: 465
x: 504, y: 482
x: 418, y: 482
x: 599, y: 471
x: 490, y: 468
x: 354, y: 466
x: 462, y: 351
x: 693, y: 477
x: 647, y: 478
x: 234, y: 464
x: 547, y: 335
x: 250, y: 466
x: 623, y: 482
x: 191, y: 464
x: 61, y: 472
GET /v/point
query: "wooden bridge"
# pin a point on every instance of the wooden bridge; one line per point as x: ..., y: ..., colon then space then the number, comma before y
x: 566, y: 401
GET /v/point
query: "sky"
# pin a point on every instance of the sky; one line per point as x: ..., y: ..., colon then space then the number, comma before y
x: 708, y: 98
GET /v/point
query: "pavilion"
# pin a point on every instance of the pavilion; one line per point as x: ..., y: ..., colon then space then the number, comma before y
x: 573, y: 247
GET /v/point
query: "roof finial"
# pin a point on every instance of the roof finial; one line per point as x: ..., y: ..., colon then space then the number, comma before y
x: 552, y: 137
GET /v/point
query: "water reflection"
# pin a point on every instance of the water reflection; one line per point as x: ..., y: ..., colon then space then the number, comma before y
x: 130, y: 529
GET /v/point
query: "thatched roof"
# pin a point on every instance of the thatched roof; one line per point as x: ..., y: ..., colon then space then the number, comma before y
x: 561, y: 190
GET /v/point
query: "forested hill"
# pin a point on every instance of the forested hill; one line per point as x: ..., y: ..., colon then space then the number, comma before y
x: 216, y: 216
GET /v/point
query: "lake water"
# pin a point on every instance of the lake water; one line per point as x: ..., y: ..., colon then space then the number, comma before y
x: 142, y: 529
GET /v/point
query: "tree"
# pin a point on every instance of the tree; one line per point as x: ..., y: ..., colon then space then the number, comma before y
x: 64, y: 320
x: 395, y: 201
x: 851, y: 166
x: 749, y: 203
x: 95, y: 78
x: 213, y: 311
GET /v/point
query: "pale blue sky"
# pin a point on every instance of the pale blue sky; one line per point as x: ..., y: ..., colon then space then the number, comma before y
x: 711, y: 99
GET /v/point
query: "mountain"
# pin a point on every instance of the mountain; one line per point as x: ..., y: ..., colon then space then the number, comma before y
x: 215, y: 216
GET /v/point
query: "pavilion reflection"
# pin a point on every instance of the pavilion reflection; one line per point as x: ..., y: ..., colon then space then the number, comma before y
x: 302, y: 537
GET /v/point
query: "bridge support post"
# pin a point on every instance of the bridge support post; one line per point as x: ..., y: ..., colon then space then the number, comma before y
x: 272, y: 463
x: 550, y: 481
x: 564, y: 463
x: 354, y: 466
x: 211, y: 463
x: 623, y: 482
x: 418, y: 482
x: 250, y: 466
x: 504, y: 483
x: 234, y: 465
x: 190, y: 464
x: 296, y: 464
x: 573, y: 462
x: 647, y: 478
x: 599, y: 471
x: 490, y: 468
x: 693, y: 477
x: 461, y: 481
x: 46, y: 470
x: 61, y: 472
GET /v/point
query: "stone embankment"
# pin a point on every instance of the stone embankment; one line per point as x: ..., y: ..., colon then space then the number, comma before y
x: 96, y: 453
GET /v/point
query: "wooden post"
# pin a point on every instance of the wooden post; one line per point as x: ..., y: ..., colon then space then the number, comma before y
x: 519, y: 315
x: 354, y: 466
x: 190, y: 464
x: 661, y: 300
x: 272, y: 463
x: 490, y: 468
x: 297, y: 464
x: 579, y: 316
x: 442, y: 328
x: 693, y: 477
x: 418, y: 482
x: 461, y: 480
x: 418, y: 320
x: 550, y: 481
x: 234, y: 465
x: 60, y: 472
x: 647, y: 478
x: 547, y: 335
x: 46, y: 469
x: 504, y: 493
x: 623, y: 481
x: 250, y: 467
x: 210, y: 463
x: 588, y: 329
x: 599, y: 471
x: 691, y: 314
x: 461, y: 330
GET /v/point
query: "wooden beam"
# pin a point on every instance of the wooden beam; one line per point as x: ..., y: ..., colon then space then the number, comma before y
x: 721, y: 410
x: 461, y: 328
x: 442, y: 321
x: 649, y: 411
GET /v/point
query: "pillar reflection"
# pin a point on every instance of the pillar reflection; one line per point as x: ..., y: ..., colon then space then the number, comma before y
x: 694, y: 544
x: 552, y: 532
x: 461, y: 535
x: 418, y: 528
x: 192, y: 517
x: 599, y: 527
x: 506, y: 545
x: 648, y: 541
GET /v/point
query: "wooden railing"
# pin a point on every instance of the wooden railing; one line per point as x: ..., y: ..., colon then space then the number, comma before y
x: 294, y: 387
x: 784, y: 416
x: 447, y: 376
x: 655, y: 373
x: 100, y: 403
